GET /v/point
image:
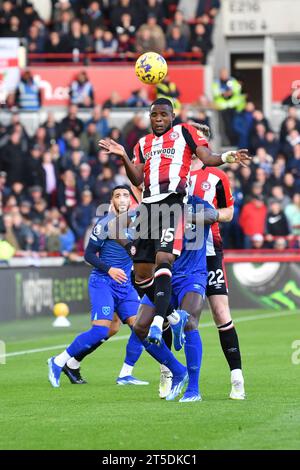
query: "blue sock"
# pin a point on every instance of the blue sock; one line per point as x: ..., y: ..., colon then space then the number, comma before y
x: 134, y: 349
x: 85, y: 341
x: 193, y: 354
x: 164, y: 356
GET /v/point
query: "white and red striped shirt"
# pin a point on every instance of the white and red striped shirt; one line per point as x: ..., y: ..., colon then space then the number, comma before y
x: 212, y: 185
x: 167, y: 159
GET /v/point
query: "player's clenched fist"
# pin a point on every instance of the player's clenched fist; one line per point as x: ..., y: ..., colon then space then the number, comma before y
x: 118, y: 275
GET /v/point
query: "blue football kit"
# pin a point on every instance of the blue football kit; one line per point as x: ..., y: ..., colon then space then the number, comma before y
x: 189, y: 272
x: 107, y: 295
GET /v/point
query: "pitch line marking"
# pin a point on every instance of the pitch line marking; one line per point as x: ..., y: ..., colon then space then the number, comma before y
x: 121, y: 338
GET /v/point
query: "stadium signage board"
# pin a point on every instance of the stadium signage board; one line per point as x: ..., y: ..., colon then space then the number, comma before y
x: 260, y: 17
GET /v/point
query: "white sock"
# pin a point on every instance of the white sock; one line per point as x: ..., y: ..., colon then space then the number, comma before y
x: 173, y: 318
x: 237, y: 375
x: 62, y: 358
x: 126, y: 370
x: 73, y: 364
x: 164, y: 369
x: 158, y: 321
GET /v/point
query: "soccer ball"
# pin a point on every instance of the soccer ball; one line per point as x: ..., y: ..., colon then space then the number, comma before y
x: 151, y: 68
x: 61, y: 310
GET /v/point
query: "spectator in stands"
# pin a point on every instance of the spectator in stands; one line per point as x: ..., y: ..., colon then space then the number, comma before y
x: 258, y: 138
x: 200, y: 41
x: 290, y: 186
x: 35, y: 174
x: 22, y: 232
x: 168, y: 89
x: 180, y: 23
x: 67, y: 194
x: 263, y: 160
x: 278, y: 195
x: 101, y: 118
x: 35, y: 42
x: 63, y: 26
x: 66, y: 238
x: 292, y: 212
x: 83, y: 214
x: 51, y: 176
x: 12, y: 159
x: 4, y: 189
x: 39, y: 210
x: 72, y: 122
x: 232, y: 234
x: 76, y: 40
x: 9, y: 234
x: 7, y: 10
x: 257, y: 242
x: 290, y: 122
x: 51, y: 127
x: 56, y: 45
x: 105, y: 44
x: 276, y: 177
x: 229, y: 99
x: 272, y: 145
x: 93, y: 16
x: 76, y: 159
x: 293, y: 164
x: 85, y: 179
x: 177, y: 43
x: 144, y: 41
x: 40, y: 139
x: 276, y: 223
x: 89, y: 140
x: 138, y: 99
x: 253, y: 219
x: 153, y: 7
x: 124, y: 7
x: 28, y: 95
x: 243, y: 124
x: 136, y: 128
x: 81, y: 91
x: 7, y: 251
x: 13, y: 29
x: 157, y: 36
x: 19, y: 191
x: 125, y: 26
x: 104, y: 185
x: 188, y: 8
x: 209, y: 7
x: 114, y: 101
x: 125, y: 45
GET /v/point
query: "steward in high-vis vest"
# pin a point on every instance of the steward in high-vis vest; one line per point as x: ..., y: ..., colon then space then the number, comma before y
x: 28, y: 93
x: 227, y: 93
x: 169, y: 90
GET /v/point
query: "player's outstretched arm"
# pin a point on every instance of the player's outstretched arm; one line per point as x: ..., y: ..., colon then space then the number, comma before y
x: 213, y: 159
x: 91, y: 257
x: 134, y: 172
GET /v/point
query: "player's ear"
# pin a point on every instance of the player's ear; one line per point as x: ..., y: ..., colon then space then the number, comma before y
x: 173, y: 117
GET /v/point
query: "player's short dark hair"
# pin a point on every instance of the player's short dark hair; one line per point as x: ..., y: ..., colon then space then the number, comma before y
x: 165, y: 101
x: 120, y: 186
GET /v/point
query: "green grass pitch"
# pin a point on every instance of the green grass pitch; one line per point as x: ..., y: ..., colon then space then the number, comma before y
x: 102, y: 415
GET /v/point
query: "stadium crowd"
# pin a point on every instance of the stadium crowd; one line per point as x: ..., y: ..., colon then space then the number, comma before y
x: 109, y: 27
x: 51, y: 183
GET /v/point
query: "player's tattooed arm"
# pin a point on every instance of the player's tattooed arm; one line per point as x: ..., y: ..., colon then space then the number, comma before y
x: 134, y: 172
x: 225, y: 214
x: 213, y: 159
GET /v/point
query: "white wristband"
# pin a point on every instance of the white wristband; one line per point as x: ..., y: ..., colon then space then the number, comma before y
x: 228, y: 157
